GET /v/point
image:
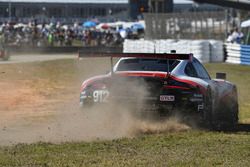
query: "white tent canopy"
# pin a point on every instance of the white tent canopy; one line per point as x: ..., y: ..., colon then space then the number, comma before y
x: 245, y: 24
x: 124, y: 25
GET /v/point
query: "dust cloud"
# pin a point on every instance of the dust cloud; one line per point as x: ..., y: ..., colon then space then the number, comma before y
x: 58, y: 119
x: 68, y: 122
x: 75, y: 124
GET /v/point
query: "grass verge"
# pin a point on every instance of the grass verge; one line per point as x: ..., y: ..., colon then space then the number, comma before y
x: 193, y: 148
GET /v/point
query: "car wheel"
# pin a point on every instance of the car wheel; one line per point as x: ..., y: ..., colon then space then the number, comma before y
x: 231, y: 108
x: 226, y: 115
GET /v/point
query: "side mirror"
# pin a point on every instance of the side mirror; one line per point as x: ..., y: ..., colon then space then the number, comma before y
x: 221, y: 75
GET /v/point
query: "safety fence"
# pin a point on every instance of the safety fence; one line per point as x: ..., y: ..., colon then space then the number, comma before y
x: 187, y: 25
x: 238, y: 54
x: 64, y: 50
x: 204, y: 50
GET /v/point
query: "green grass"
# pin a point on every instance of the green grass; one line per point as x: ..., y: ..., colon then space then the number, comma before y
x: 190, y: 148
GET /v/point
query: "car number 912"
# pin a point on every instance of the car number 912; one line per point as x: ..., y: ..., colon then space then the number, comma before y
x: 100, y: 96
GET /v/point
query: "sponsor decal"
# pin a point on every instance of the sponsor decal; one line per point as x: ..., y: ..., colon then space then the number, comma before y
x: 167, y: 98
x: 198, y: 95
x: 200, y: 107
x: 196, y: 99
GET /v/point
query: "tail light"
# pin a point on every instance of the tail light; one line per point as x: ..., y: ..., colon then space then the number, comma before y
x: 173, y: 84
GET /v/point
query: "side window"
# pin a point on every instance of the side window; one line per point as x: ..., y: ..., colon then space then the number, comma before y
x: 201, y: 71
x: 190, y: 70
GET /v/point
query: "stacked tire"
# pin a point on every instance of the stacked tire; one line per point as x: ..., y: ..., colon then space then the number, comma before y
x: 216, y: 51
x: 204, y: 50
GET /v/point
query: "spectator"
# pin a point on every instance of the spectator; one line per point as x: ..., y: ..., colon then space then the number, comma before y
x: 51, y: 39
x: 230, y: 38
x: 36, y: 35
x: 237, y: 36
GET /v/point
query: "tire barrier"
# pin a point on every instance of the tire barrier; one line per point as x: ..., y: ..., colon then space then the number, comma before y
x: 216, y: 51
x: 204, y: 50
x: 238, y: 54
x: 138, y: 46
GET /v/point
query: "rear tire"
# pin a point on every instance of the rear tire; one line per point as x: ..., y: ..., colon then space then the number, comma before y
x: 225, y: 116
x: 86, y: 103
x: 230, y: 109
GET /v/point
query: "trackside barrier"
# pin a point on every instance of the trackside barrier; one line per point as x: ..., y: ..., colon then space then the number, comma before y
x: 204, y: 50
x: 238, y: 54
x: 64, y: 49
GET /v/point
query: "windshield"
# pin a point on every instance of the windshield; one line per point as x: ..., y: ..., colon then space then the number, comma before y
x: 139, y: 64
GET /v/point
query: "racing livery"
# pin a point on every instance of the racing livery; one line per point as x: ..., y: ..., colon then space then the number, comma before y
x: 165, y: 83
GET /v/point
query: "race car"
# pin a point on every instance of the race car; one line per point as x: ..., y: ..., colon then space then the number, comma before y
x: 164, y: 84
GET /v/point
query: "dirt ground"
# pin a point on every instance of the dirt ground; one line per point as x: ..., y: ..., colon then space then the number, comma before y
x: 34, y: 108
x: 23, y: 58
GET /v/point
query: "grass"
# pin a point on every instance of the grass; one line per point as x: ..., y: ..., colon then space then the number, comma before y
x: 190, y: 148
x: 193, y: 148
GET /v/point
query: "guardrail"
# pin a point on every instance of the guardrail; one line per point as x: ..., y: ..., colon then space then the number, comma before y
x: 69, y: 49
x: 238, y: 54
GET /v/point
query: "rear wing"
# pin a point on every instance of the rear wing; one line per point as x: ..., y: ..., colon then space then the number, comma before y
x: 168, y: 56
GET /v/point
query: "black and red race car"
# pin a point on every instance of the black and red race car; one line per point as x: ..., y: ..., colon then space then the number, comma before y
x: 164, y: 84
